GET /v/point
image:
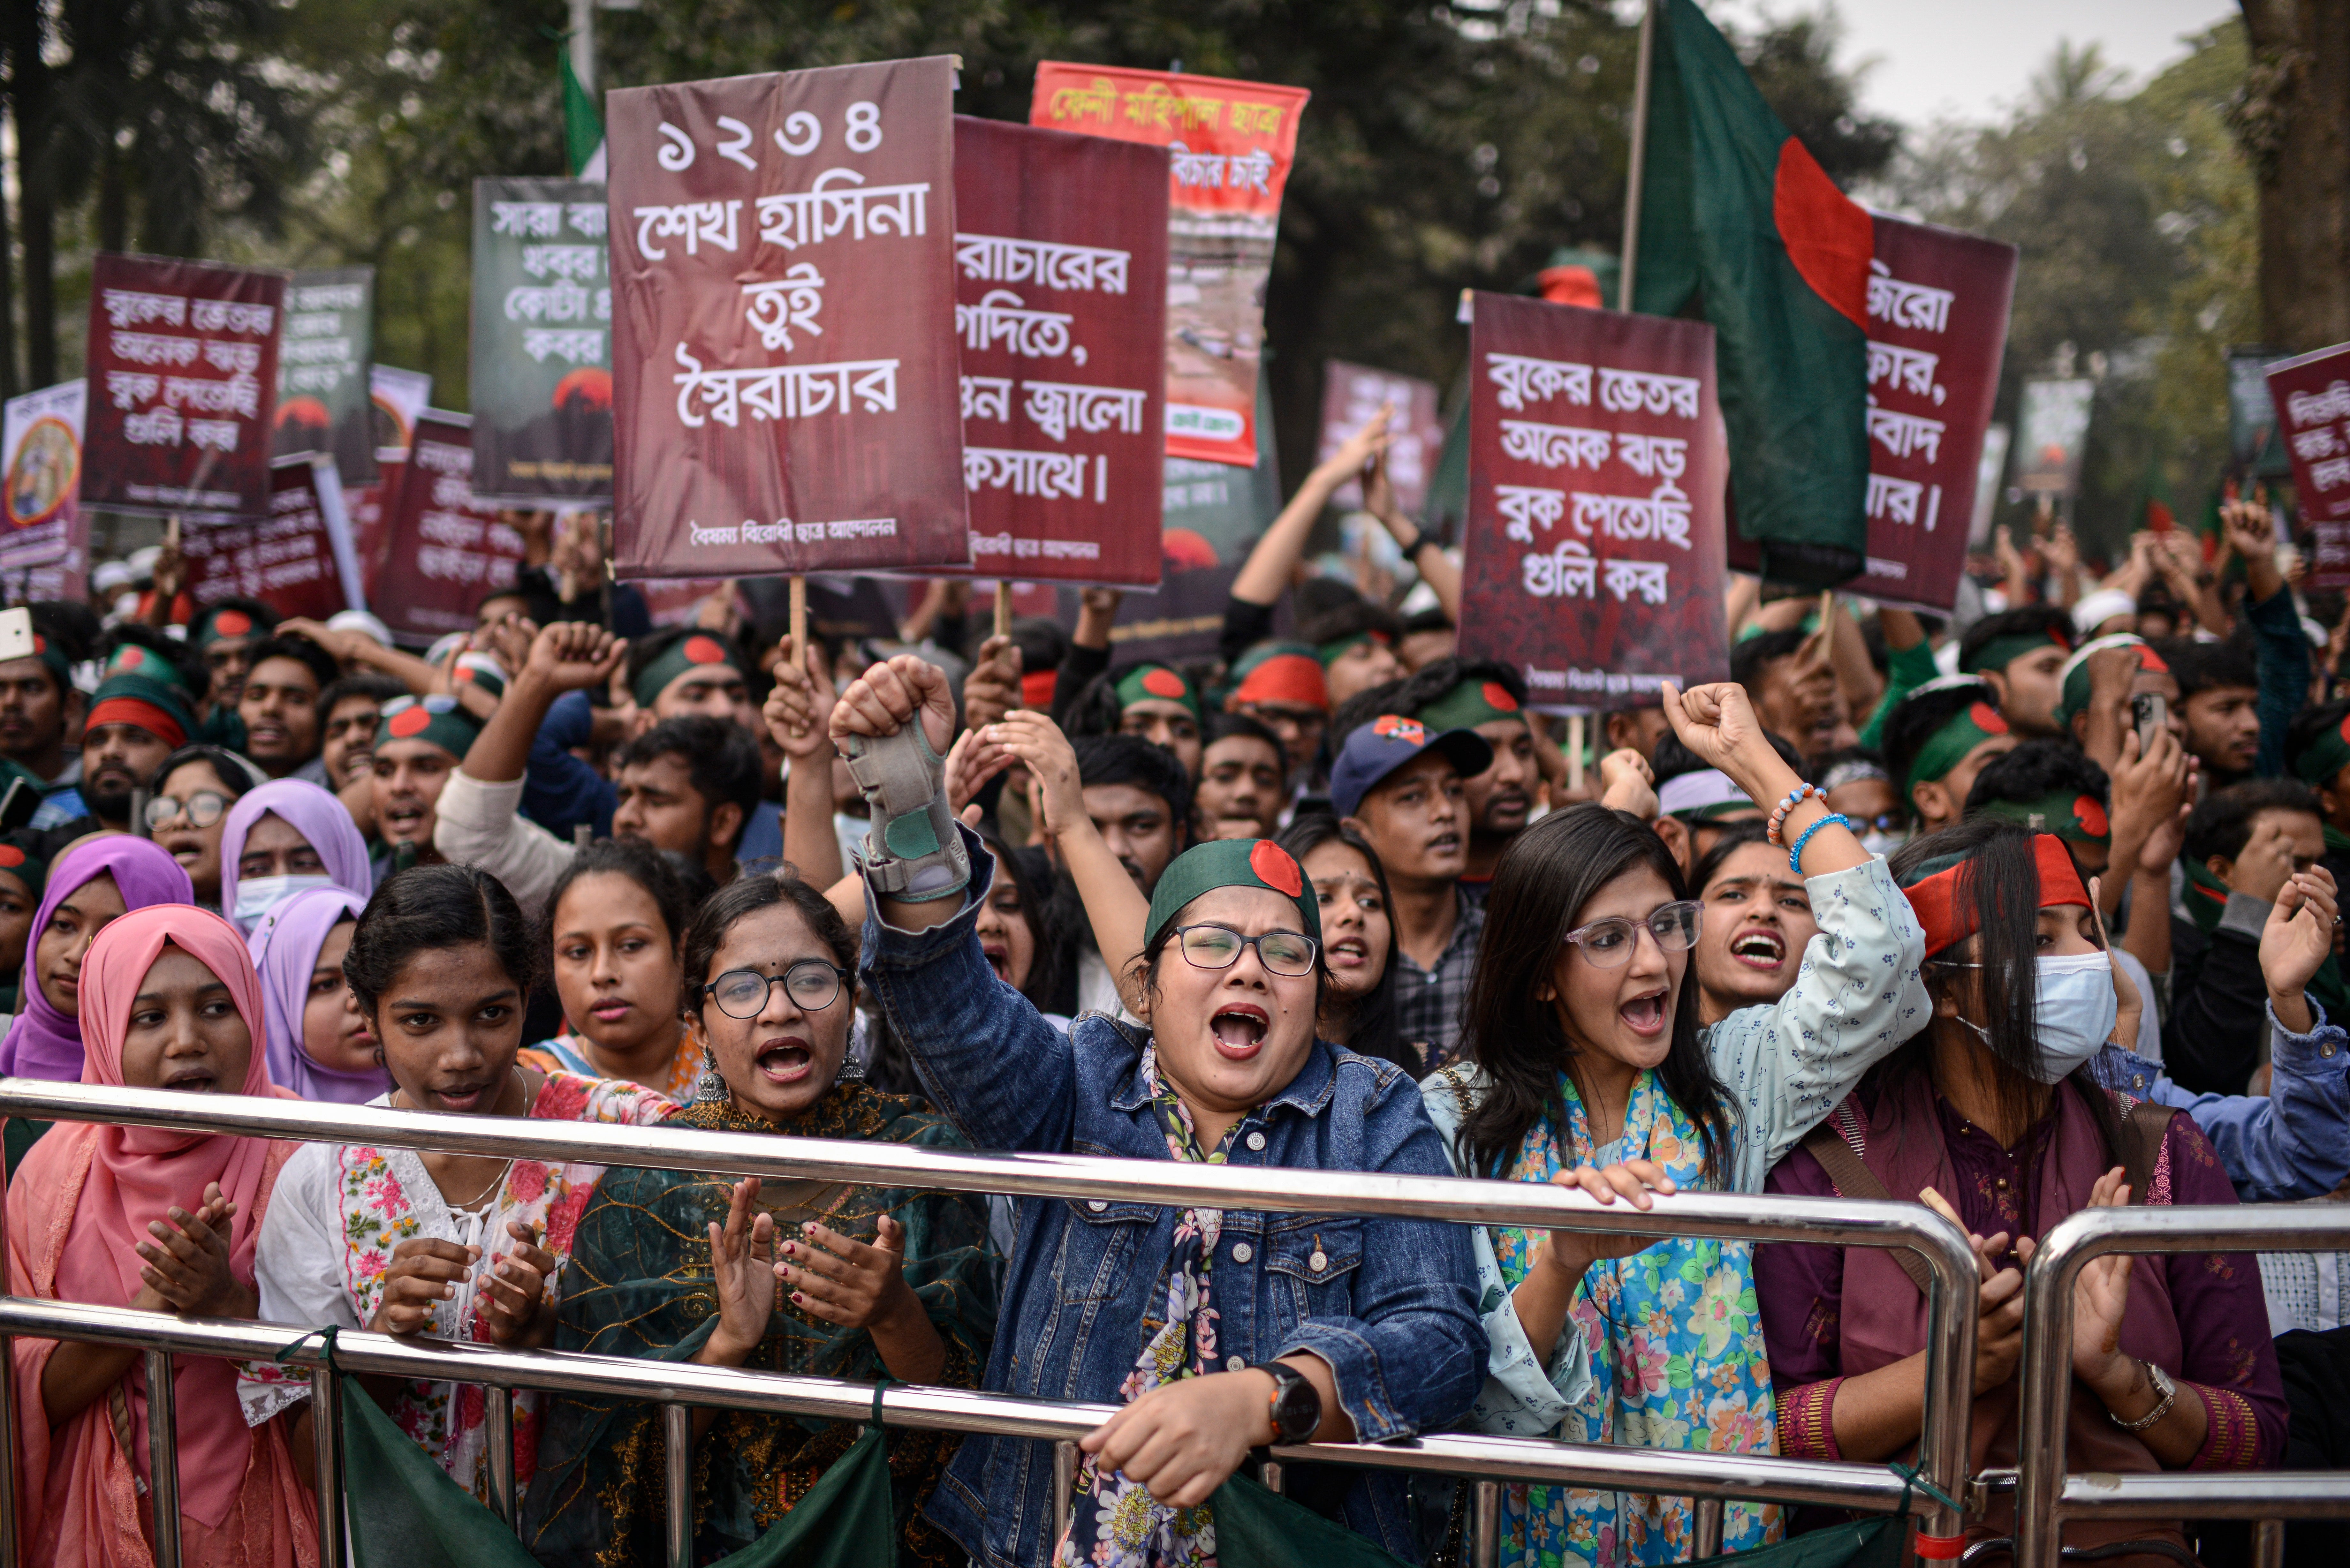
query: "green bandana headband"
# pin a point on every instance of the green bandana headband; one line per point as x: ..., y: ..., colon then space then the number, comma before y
x: 2323, y: 757
x: 1964, y: 730
x: 438, y: 721
x: 2001, y: 651
x: 1231, y: 863
x: 131, y: 659
x: 1470, y: 704
x: 695, y: 650
x: 21, y: 857
x: 1329, y: 653
x: 2075, y: 673
x: 214, y: 624
x: 1157, y: 683
x: 2077, y: 817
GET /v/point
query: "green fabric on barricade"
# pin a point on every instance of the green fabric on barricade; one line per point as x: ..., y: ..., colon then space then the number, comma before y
x: 848, y: 1518
x: 1882, y: 1542
x: 409, y: 1513
x: 1264, y: 1530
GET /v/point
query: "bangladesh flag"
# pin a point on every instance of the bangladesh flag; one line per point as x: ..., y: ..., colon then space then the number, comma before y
x: 1739, y: 225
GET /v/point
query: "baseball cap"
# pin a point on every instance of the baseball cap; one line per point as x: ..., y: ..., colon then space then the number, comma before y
x: 1375, y: 749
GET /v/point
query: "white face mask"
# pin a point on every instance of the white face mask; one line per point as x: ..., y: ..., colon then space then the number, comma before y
x: 1878, y: 843
x: 2073, y: 1013
x: 255, y: 895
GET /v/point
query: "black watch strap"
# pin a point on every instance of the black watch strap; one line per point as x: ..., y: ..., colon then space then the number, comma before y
x: 1296, y: 1404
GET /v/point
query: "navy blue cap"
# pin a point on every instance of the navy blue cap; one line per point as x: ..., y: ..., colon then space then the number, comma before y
x: 1375, y: 749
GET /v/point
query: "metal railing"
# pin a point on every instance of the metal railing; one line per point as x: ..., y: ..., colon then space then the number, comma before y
x: 1708, y: 1478
x: 2045, y: 1496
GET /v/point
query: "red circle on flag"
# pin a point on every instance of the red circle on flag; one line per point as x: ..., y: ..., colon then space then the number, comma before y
x: 704, y: 651
x: 2091, y: 816
x: 1986, y: 719
x: 11, y: 857
x: 465, y: 672
x: 2346, y: 728
x: 1497, y: 695
x: 1165, y: 684
x: 409, y: 723
x: 1273, y: 866
x: 130, y: 657
x: 232, y: 623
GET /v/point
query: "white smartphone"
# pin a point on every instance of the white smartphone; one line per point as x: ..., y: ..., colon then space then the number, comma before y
x: 15, y: 633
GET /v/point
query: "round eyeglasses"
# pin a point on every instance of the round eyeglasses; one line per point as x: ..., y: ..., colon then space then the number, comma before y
x: 202, y: 808
x: 1607, y: 944
x: 1285, y: 954
x: 811, y: 984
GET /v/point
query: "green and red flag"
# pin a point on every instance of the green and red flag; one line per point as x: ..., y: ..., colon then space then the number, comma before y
x: 1739, y: 225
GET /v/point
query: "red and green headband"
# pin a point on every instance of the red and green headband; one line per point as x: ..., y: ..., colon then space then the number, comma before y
x: 2076, y: 818
x: 1155, y: 683
x: 1470, y: 704
x: 1282, y: 673
x: 1941, y: 891
x: 696, y: 650
x: 2317, y: 763
x: 1961, y: 732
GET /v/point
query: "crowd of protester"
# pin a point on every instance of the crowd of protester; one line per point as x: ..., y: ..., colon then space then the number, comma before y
x: 2012, y: 916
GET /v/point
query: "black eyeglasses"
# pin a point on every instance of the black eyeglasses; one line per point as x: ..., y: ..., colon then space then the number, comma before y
x: 202, y: 808
x: 1285, y: 954
x: 1607, y: 944
x: 811, y: 984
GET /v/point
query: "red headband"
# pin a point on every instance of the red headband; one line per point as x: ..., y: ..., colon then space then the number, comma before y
x: 1036, y: 688
x: 145, y: 715
x: 1285, y: 678
x: 1948, y: 921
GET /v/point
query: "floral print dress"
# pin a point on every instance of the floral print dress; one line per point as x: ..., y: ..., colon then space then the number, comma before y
x: 1677, y: 1357
x: 339, y: 1211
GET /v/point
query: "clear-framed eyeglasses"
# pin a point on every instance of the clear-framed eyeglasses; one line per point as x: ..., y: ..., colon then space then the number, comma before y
x: 1607, y: 944
x: 202, y: 808
x: 812, y: 983
x: 1285, y: 954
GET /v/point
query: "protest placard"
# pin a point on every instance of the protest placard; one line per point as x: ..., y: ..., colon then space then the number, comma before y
x: 2312, y: 395
x: 2051, y: 432
x: 784, y: 348
x: 444, y: 548
x: 541, y: 365
x: 1060, y: 309
x: 183, y: 372
x: 47, y: 532
x: 1594, y: 546
x: 1351, y: 394
x: 298, y: 560
x: 395, y: 399
x: 323, y: 403
x: 1231, y: 146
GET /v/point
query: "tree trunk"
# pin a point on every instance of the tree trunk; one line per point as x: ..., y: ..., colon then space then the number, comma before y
x: 113, y: 204
x: 29, y: 104
x: 2294, y: 120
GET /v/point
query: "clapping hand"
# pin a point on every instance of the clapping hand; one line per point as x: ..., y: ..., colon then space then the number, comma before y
x: 187, y: 1266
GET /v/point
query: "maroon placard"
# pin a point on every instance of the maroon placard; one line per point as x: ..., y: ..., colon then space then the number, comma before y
x: 1351, y: 394
x: 290, y: 560
x: 1061, y: 308
x: 183, y: 370
x: 1938, y: 306
x: 784, y: 325
x: 1596, y: 475
x: 371, y: 508
x: 2311, y: 393
x: 442, y: 549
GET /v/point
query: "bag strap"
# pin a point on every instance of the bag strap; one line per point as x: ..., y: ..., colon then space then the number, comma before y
x: 1854, y: 1179
x: 2143, y: 1127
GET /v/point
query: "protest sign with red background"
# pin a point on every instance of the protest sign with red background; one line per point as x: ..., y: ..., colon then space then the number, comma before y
x: 182, y: 372
x: 1594, y: 549
x: 1351, y: 394
x: 1938, y: 305
x: 1232, y: 144
x: 1060, y: 306
x: 442, y: 549
x: 298, y: 560
x: 2312, y: 392
x: 395, y: 399
x: 47, y: 540
x: 784, y: 350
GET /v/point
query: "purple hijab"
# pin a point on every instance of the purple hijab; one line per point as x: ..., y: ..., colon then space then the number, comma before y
x: 316, y: 816
x: 284, y: 948
x: 44, y: 1043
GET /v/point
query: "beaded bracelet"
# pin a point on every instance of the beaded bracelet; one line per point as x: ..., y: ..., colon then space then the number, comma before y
x: 1796, y: 856
x: 1794, y: 798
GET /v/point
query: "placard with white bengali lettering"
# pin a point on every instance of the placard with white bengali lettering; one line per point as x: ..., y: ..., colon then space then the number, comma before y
x: 1596, y: 466
x: 298, y: 560
x: 542, y: 340
x: 784, y: 356
x: 1060, y: 308
x: 444, y: 549
x: 183, y: 372
x: 2311, y: 393
x: 323, y: 371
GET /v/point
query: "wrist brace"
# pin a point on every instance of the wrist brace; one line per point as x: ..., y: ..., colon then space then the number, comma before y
x: 912, y: 851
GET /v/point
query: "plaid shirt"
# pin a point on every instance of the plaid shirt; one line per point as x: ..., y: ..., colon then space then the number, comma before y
x: 1429, y: 1002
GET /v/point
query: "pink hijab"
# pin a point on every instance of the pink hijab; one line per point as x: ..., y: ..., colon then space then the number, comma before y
x: 138, y: 1173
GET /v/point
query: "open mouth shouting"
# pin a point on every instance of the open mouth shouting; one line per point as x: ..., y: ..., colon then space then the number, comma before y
x: 1759, y: 949
x: 403, y: 820
x: 1348, y: 954
x: 1240, y: 1029
x: 266, y: 735
x: 784, y: 1060
x: 194, y: 1078
x: 999, y: 959
x: 1645, y: 1015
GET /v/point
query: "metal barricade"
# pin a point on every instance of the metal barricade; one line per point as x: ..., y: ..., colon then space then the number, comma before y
x: 2046, y: 1497
x: 1732, y: 1217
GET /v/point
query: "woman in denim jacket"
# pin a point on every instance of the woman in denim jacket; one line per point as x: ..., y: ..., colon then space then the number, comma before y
x: 1340, y: 1328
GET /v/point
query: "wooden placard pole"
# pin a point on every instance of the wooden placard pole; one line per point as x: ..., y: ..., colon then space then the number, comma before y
x: 1575, y: 754
x: 799, y: 621
x: 1003, y: 608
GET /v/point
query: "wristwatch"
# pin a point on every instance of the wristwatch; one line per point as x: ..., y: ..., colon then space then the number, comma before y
x: 1296, y: 1404
x: 2164, y: 1386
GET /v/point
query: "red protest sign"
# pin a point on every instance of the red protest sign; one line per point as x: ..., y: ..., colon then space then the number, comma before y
x: 2311, y: 393
x: 1595, y: 471
x: 1231, y: 146
x: 1060, y: 306
x: 1351, y: 394
x: 783, y: 322
x: 182, y: 372
x: 298, y: 560
x: 444, y: 550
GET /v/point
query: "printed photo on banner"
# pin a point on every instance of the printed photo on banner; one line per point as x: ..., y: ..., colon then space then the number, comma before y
x: 1231, y: 145
x: 1060, y: 314
x: 182, y: 373
x: 48, y: 531
x: 298, y: 560
x: 1596, y: 467
x: 323, y: 372
x: 444, y: 548
x: 785, y: 360
x: 2312, y: 394
x: 542, y: 360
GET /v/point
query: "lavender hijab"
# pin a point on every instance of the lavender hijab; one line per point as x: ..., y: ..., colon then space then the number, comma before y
x: 44, y: 1043
x: 314, y: 814
x: 284, y: 947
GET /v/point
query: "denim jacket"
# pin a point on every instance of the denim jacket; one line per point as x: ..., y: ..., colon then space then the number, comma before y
x: 1390, y: 1307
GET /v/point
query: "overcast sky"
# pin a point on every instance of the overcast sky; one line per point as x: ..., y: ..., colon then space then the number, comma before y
x: 1968, y: 59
